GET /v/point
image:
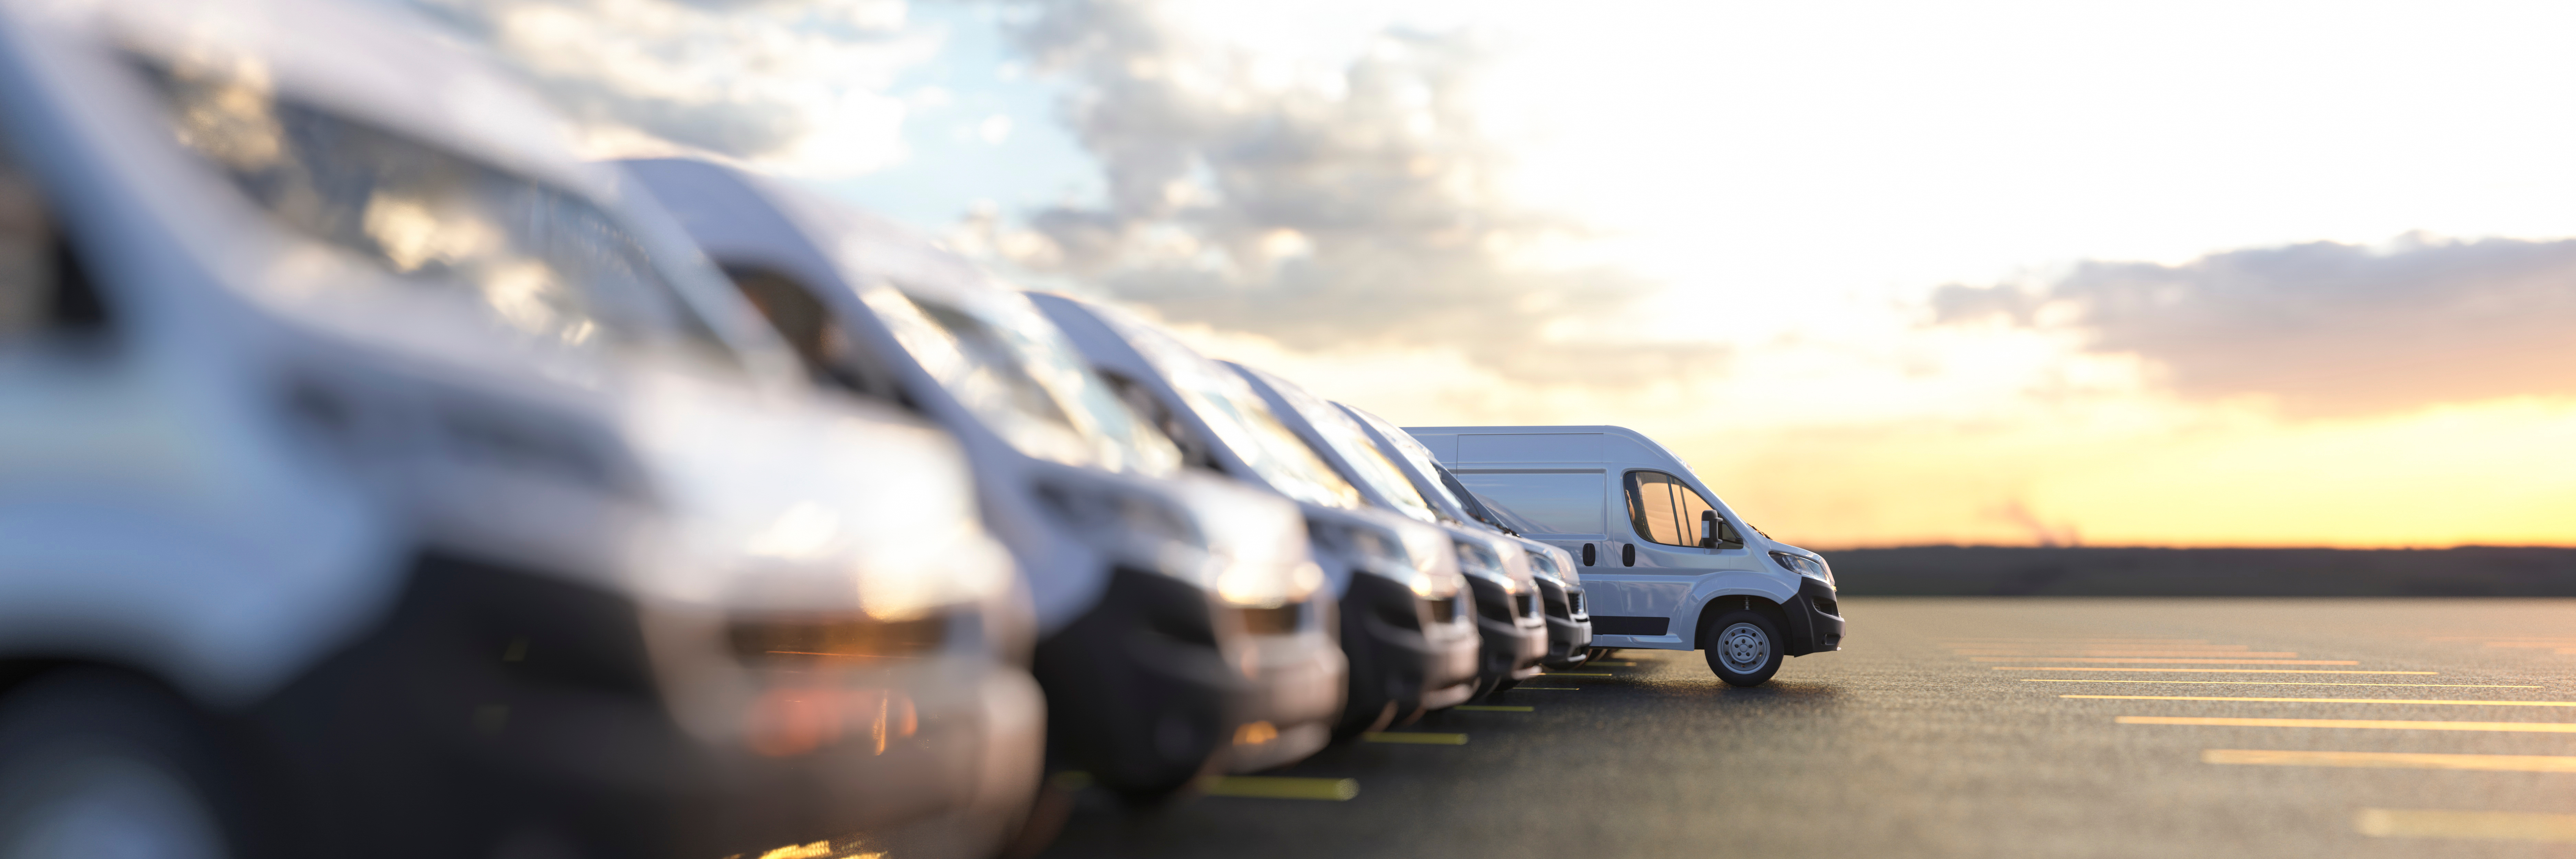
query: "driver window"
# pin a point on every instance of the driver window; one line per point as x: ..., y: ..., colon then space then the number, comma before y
x: 42, y: 287
x: 1664, y: 509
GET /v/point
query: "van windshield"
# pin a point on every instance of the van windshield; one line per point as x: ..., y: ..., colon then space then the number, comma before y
x: 537, y: 260
x: 1413, y: 452
x: 1485, y: 511
x: 1238, y: 417
x: 1348, y: 440
x: 1002, y: 359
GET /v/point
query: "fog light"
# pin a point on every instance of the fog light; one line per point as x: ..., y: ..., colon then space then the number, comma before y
x: 793, y: 721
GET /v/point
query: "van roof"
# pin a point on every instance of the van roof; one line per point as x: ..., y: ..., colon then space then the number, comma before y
x: 379, y: 62
x: 1600, y: 443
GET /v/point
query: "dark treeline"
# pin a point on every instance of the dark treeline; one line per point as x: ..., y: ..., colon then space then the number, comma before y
x: 2024, y: 571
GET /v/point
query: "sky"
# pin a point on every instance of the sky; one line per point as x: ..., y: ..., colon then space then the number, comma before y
x: 2199, y: 274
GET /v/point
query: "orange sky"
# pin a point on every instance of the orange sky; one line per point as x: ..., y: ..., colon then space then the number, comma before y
x: 2132, y: 467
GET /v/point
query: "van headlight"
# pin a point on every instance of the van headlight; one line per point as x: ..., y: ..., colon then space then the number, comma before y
x: 1477, y: 559
x: 815, y: 513
x: 1380, y: 553
x: 1246, y: 548
x: 1813, y: 568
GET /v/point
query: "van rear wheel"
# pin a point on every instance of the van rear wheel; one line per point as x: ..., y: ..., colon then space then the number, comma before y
x: 1743, y: 648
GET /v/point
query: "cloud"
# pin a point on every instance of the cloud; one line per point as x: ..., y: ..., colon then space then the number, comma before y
x: 1358, y: 207
x: 2325, y: 329
x: 790, y: 87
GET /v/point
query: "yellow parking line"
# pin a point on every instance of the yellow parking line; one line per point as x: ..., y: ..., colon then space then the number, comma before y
x: 2445, y: 823
x: 1621, y: 664
x: 2372, y: 724
x: 1578, y: 674
x: 1492, y: 708
x: 2333, y: 700
x: 2200, y: 670
x: 1415, y: 738
x: 2391, y: 760
x: 2142, y: 661
x: 2033, y: 654
x: 2199, y: 654
x: 2279, y: 683
x: 2081, y: 640
x: 1282, y: 787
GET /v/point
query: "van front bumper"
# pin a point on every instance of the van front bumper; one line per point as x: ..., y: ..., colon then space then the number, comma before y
x: 1297, y: 677
x: 1139, y: 691
x: 1515, y: 639
x: 1569, y: 628
x: 492, y: 705
x: 1815, y: 619
x: 1407, y: 654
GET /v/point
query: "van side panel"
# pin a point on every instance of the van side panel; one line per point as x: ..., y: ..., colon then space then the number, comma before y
x: 1557, y: 502
x: 1444, y: 446
x: 1529, y: 447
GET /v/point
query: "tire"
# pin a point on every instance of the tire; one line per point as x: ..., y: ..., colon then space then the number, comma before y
x: 1504, y: 686
x: 93, y: 763
x: 1743, y: 647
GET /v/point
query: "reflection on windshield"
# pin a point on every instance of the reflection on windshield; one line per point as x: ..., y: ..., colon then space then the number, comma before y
x: 1014, y: 370
x: 1423, y: 463
x: 538, y: 260
x: 1484, y: 509
x: 1238, y: 417
x: 1347, y: 439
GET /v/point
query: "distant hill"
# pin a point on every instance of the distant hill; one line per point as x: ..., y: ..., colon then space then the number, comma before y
x: 2021, y: 571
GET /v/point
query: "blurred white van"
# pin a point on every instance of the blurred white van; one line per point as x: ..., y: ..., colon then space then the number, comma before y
x: 1183, y: 624
x: 1407, y: 624
x: 1665, y: 563
x: 1509, y: 608
x: 1552, y: 570
x: 376, y: 477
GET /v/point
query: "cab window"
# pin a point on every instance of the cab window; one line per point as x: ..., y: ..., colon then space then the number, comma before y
x: 42, y: 288
x: 1663, y: 509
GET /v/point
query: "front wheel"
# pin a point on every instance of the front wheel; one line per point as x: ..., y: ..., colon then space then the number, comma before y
x: 1743, y: 648
x: 98, y: 765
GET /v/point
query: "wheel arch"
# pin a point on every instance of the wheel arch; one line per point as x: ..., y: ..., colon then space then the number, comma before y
x: 1717, y: 606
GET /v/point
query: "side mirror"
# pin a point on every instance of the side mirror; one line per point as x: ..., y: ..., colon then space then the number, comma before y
x: 1716, y: 532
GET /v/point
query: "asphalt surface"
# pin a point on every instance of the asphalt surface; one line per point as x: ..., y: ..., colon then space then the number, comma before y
x: 1933, y: 734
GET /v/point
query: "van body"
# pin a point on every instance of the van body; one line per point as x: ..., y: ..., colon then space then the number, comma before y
x: 1509, y: 608
x: 1407, y: 626
x: 1663, y: 559
x: 374, y: 473
x: 1560, y: 585
x: 1183, y: 623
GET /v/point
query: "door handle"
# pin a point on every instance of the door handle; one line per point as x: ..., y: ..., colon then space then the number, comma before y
x: 1587, y: 554
x: 1627, y: 554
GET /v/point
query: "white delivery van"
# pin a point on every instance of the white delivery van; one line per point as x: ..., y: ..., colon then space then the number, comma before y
x: 1508, y: 605
x: 1560, y: 586
x: 1665, y: 563
x: 1181, y: 616
x: 374, y: 477
x: 1411, y: 639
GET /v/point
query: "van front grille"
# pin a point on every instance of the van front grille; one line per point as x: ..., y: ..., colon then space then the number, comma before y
x: 795, y: 639
x: 1274, y: 621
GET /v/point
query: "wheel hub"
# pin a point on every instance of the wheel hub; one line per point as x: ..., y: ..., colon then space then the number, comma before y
x: 1744, y: 648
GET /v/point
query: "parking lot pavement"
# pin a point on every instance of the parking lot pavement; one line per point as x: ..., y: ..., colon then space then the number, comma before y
x: 1970, y: 727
